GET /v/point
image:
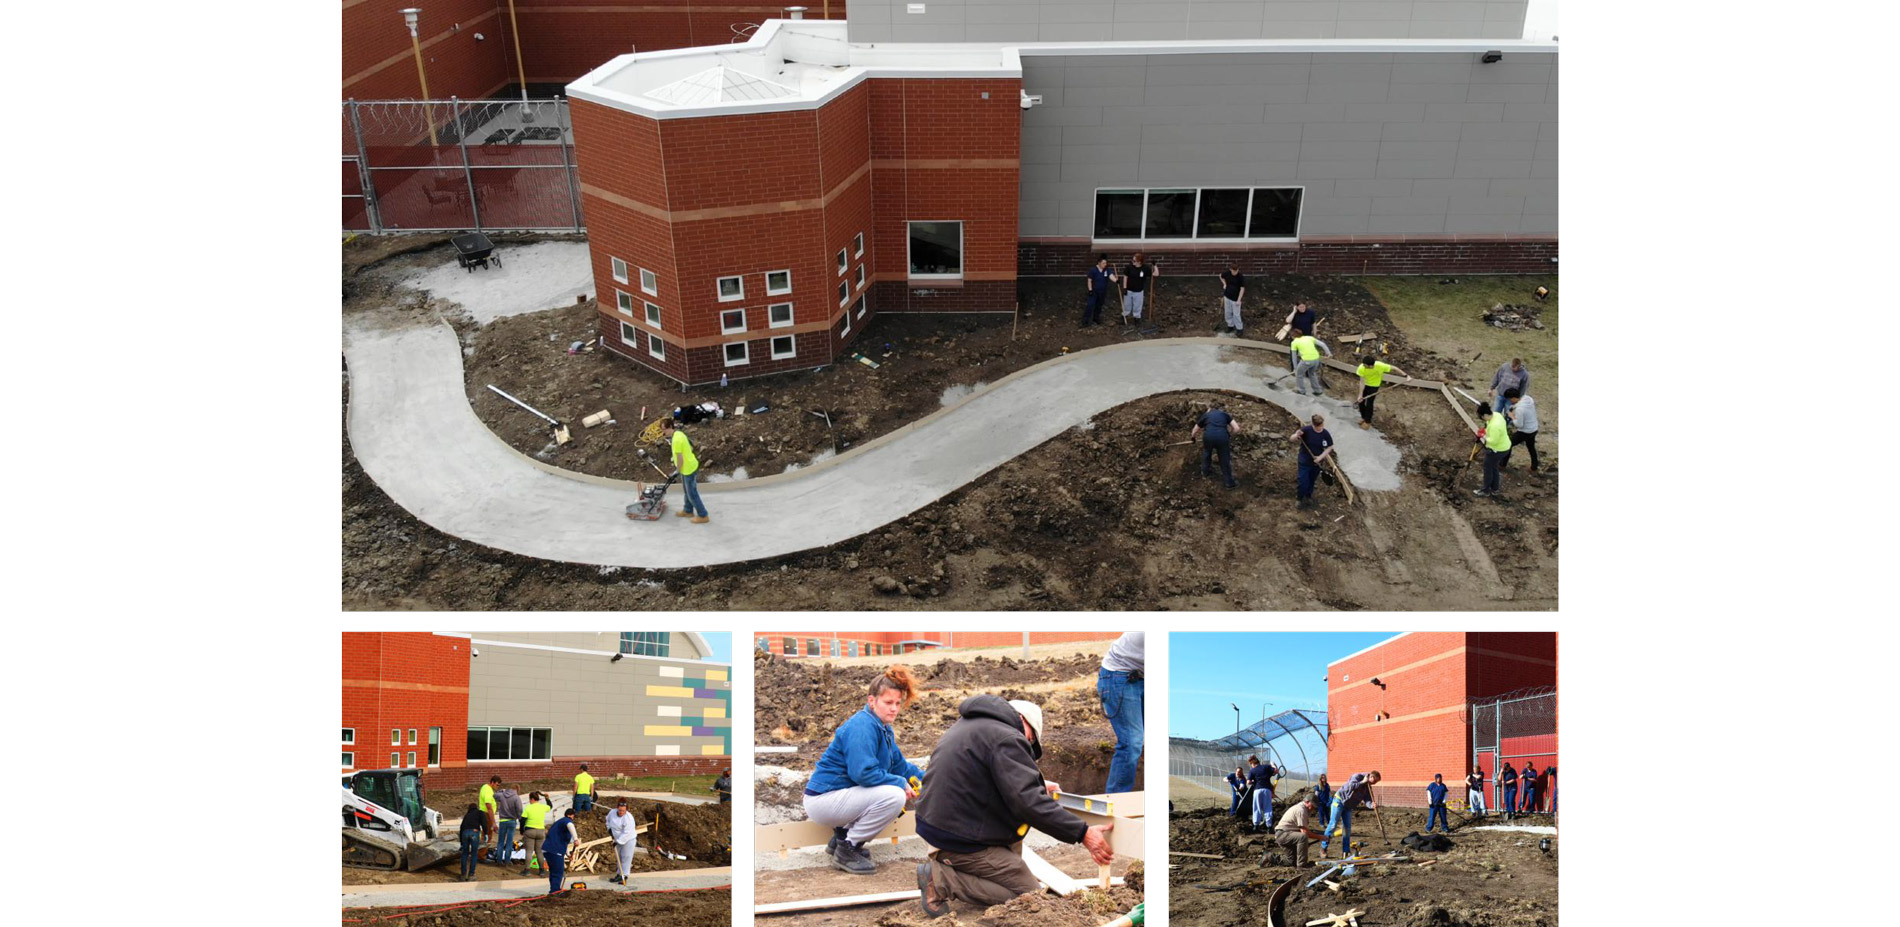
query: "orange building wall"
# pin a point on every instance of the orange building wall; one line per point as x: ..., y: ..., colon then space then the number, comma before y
x: 960, y: 639
x: 401, y: 681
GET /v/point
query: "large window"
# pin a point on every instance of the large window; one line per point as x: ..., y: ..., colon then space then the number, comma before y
x: 647, y: 643
x: 510, y: 743
x: 936, y: 249
x: 1220, y: 213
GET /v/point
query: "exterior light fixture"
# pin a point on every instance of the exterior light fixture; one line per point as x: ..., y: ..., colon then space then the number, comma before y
x: 1492, y: 57
x: 410, y: 17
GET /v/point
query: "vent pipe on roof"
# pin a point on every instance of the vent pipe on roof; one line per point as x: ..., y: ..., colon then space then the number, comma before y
x: 796, y: 12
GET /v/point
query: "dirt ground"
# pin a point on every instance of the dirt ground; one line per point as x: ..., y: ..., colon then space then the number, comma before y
x: 703, y: 833
x: 810, y: 699
x: 1090, y: 908
x: 1096, y: 519
x: 701, y: 908
x: 1487, y: 879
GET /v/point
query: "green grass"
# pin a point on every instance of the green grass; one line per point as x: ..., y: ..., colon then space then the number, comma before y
x: 685, y: 785
x: 1449, y: 319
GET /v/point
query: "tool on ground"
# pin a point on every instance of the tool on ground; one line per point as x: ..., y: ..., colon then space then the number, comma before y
x: 597, y: 419
x: 651, y: 503
x: 656, y: 467
x: 1379, y: 816
x: 473, y: 249
x: 1468, y: 397
x: 860, y: 358
x: 561, y: 435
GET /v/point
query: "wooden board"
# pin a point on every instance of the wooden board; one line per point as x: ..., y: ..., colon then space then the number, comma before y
x: 1195, y: 855
x: 780, y: 838
x: 1355, y: 339
x: 1458, y: 406
x: 1046, y: 873
x: 846, y: 901
x: 1126, y: 838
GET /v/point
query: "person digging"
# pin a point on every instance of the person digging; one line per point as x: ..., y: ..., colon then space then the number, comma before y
x: 985, y: 793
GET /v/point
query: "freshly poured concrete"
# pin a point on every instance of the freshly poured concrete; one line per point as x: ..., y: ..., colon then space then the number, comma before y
x: 415, y: 434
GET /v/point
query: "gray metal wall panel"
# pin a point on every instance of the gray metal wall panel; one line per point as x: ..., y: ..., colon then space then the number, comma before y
x: 1153, y: 20
x: 1372, y: 164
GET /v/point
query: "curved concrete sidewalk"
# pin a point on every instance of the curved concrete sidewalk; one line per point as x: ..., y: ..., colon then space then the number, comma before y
x: 384, y: 896
x: 414, y: 432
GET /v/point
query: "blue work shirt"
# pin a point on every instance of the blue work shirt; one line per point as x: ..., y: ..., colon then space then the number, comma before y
x: 1098, y: 282
x: 1236, y: 782
x: 560, y: 834
x: 1313, y: 442
x: 1437, y: 792
x: 1215, y: 422
x: 862, y: 752
x: 1261, y: 776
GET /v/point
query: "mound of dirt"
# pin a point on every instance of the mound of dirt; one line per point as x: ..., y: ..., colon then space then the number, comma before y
x: 701, y: 832
x: 703, y: 908
x: 1088, y: 908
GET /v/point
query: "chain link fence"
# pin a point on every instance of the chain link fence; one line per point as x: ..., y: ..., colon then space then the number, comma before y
x: 1293, y: 741
x: 454, y: 165
x: 1516, y: 728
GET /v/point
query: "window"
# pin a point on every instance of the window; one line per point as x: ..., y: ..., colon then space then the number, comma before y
x: 1118, y: 213
x: 789, y: 647
x: 1225, y: 213
x: 647, y: 643
x: 732, y: 321
x: 653, y: 316
x: 778, y: 282
x: 860, y: 307
x: 435, y: 746
x: 625, y: 303
x: 811, y: 647
x: 1275, y: 214
x: 395, y: 761
x: 629, y: 335
x: 349, y: 761
x: 846, y: 330
x: 656, y: 347
x: 738, y: 353
x: 412, y: 737
x: 860, y: 279
x: 844, y: 262
x: 851, y: 648
x: 857, y: 245
x: 649, y: 282
x: 765, y: 644
x: 349, y: 735
x: 731, y: 288
x: 620, y: 270
x: 510, y: 743
x: 844, y: 292
x: 1170, y: 214
x: 412, y: 760
x: 395, y: 738
x: 785, y: 346
x: 936, y: 249
x: 780, y: 314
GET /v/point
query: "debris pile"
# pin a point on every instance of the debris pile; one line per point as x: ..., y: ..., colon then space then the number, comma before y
x: 1513, y: 318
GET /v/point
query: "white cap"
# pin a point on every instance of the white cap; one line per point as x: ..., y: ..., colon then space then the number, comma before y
x: 1030, y: 712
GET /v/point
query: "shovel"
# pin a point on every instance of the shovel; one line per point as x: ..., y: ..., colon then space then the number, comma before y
x: 561, y: 435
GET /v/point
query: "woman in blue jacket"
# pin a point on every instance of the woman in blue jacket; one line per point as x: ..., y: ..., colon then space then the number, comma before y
x: 862, y: 781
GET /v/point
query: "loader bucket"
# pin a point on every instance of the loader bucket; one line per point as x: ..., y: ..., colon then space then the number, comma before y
x: 419, y: 856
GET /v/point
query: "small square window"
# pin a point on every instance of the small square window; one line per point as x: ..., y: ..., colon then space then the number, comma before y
x: 731, y: 288
x: 860, y: 280
x: 412, y: 760
x: 620, y: 270
x: 860, y: 307
x: 625, y: 303
x: 653, y: 316
x: 349, y: 761
x: 395, y: 738
x: 738, y: 353
x: 846, y: 330
x: 784, y: 346
x: 778, y: 282
x: 412, y: 737
x: 857, y: 245
x: 349, y: 735
x: 650, y: 282
x: 780, y: 314
x: 732, y: 321
x: 395, y: 761
x: 844, y: 262
x: 629, y: 335
x: 844, y: 292
x: 656, y: 347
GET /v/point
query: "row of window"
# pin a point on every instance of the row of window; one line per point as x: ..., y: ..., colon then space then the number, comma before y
x: 1238, y: 212
x: 395, y: 740
x: 857, y: 250
x: 510, y: 743
x: 646, y: 643
x: 815, y: 647
x: 649, y: 281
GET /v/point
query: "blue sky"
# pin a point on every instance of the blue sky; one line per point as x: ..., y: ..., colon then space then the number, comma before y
x: 1209, y: 671
x: 721, y: 644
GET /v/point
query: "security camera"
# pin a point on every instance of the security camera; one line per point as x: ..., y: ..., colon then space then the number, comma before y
x: 474, y: 651
x: 478, y: 36
x: 1030, y: 99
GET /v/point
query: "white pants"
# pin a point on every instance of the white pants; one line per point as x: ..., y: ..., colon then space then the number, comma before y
x: 625, y: 852
x: 1477, y: 800
x: 863, y: 810
x: 1132, y: 303
x: 1232, y: 307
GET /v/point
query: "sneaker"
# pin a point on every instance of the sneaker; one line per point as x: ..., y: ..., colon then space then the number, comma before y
x: 1479, y: 492
x: 924, y: 892
x: 700, y: 520
x: 853, y: 858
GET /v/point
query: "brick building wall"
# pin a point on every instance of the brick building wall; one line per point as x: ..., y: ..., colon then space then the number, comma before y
x: 561, y: 40
x: 887, y: 642
x: 379, y: 62
x: 403, y: 682
x: 564, y: 768
x: 1418, y: 723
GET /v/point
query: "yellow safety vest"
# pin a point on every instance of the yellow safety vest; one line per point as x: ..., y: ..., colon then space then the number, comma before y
x: 1308, y: 346
x: 689, y: 465
x: 584, y: 783
x: 485, y: 799
x: 1497, y: 434
x: 537, y: 815
x: 1375, y: 374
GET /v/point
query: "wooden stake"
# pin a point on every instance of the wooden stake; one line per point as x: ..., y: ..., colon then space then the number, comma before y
x: 1104, y: 874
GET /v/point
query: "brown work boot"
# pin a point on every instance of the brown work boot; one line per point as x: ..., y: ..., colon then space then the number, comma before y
x: 682, y: 513
x: 1366, y: 425
x: 927, y: 893
x: 701, y: 520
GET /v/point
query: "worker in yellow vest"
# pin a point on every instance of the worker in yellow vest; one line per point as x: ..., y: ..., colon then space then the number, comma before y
x: 1372, y: 373
x: 583, y: 790
x: 687, y: 465
x: 1306, y: 352
x: 1496, y: 439
x: 534, y: 829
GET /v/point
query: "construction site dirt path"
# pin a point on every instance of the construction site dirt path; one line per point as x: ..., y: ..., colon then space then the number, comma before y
x: 412, y: 429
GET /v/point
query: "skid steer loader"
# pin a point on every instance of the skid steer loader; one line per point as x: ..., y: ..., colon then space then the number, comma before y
x: 386, y: 825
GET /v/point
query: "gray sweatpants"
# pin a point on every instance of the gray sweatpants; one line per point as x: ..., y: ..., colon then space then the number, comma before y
x: 1232, y: 307
x: 1307, y: 371
x: 1132, y: 303
x: 625, y: 852
x: 864, y: 810
x: 991, y: 877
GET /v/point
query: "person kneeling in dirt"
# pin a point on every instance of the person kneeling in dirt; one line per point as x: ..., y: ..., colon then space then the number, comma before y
x: 985, y: 794
x: 1295, y: 831
x: 862, y: 781
x: 1357, y: 792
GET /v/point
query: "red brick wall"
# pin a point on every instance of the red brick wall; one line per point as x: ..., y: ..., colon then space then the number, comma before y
x: 1041, y: 257
x: 378, y: 63
x: 402, y: 681
x: 565, y: 767
x: 561, y: 40
x: 961, y: 639
x: 618, y: 158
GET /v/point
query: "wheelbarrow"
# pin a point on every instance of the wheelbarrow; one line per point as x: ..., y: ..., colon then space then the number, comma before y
x: 473, y: 249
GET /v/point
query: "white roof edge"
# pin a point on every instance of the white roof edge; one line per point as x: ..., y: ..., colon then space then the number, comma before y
x: 1364, y: 650
x: 1245, y: 46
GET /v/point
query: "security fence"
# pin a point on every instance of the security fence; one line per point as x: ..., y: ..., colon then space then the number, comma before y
x: 453, y: 165
x: 1293, y: 741
x: 1516, y: 728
